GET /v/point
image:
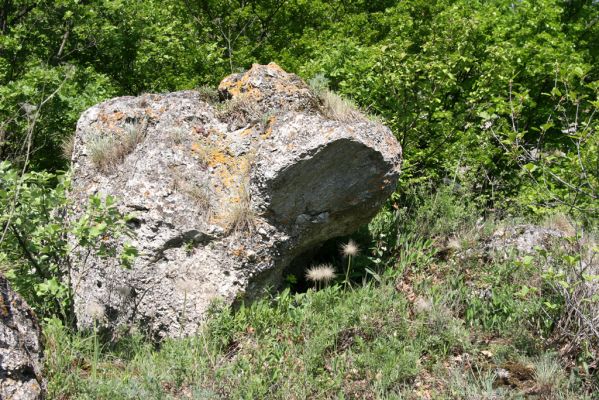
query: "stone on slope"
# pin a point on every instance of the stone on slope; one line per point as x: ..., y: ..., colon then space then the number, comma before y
x: 21, y: 349
x: 225, y: 195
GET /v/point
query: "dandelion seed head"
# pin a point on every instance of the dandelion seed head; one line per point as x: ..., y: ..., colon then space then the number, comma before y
x: 95, y: 311
x: 321, y: 273
x: 350, y: 249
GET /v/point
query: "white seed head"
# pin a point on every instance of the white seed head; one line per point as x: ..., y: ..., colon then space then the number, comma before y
x: 350, y: 249
x: 185, y: 285
x: 321, y: 273
x: 95, y: 311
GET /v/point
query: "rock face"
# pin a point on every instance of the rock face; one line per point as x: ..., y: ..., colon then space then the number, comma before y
x: 21, y: 351
x: 225, y: 194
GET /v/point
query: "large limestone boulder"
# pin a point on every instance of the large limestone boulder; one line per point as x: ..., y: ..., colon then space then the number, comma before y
x: 226, y: 194
x: 21, y: 350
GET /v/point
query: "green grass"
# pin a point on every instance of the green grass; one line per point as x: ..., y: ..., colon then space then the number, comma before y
x: 425, y: 320
x: 367, y: 342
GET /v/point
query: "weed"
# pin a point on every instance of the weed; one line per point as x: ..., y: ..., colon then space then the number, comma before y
x: 241, y: 217
x: 178, y: 135
x: 321, y: 275
x: 349, y: 250
x: 67, y: 146
x: 208, y: 94
x: 339, y: 109
x: 109, y: 150
x: 239, y: 111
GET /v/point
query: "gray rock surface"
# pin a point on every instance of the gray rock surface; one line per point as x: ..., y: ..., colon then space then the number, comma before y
x: 21, y: 350
x: 522, y: 239
x: 225, y: 195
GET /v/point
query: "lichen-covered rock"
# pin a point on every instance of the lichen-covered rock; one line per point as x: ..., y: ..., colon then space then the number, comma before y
x: 522, y: 239
x: 21, y: 351
x: 225, y: 195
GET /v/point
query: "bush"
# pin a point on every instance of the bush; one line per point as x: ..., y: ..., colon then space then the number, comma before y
x: 35, y: 246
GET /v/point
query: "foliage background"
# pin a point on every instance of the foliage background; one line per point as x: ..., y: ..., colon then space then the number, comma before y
x: 470, y: 88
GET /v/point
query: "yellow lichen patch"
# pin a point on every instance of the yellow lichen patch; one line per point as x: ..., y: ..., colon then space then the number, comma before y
x: 196, y: 147
x: 239, y: 87
x: 247, y: 132
x: 226, y: 177
x: 217, y: 157
x: 235, y: 88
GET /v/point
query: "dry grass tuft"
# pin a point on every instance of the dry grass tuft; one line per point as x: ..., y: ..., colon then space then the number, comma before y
x: 339, y: 109
x: 199, y: 194
x: 67, y: 146
x: 240, y: 111
x: 177, y: 135
x: 562, y: 223
x: 241, y: 217
x: 107, y: 151
x: 208, y: 94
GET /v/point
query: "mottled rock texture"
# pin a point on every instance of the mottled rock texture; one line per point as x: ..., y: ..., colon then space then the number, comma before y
x: 21, y: 350
x: 226, y: 194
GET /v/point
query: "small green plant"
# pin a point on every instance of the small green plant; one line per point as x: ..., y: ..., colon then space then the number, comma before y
x: 475, y: 385
x: 178, y: 135
x: 208, y: 94
x: 109, y: 150
x: 549, y: 375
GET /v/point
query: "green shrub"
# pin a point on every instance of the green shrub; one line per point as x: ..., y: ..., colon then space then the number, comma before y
x: 35, y: 252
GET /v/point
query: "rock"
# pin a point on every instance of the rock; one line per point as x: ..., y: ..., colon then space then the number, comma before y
x: 225, y: 196
x: 522, y: 239
x: 21, y: 349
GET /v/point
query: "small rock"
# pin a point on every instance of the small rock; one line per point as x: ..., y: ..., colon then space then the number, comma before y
x: 21, y: 349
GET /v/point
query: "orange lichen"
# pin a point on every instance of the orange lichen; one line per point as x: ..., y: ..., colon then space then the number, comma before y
x: 217, y: 157
x: 247, y: 132
x: 197, y: 148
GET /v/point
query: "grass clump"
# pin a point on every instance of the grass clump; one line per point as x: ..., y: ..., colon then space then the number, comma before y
x: 67, y: 146
x: 239, y: 111
x: 241, y: 217
x: 334, y: 106
x: 178, y: 135
x: 339, y: 109
x: 208, y: 94
x: 109, y: 150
